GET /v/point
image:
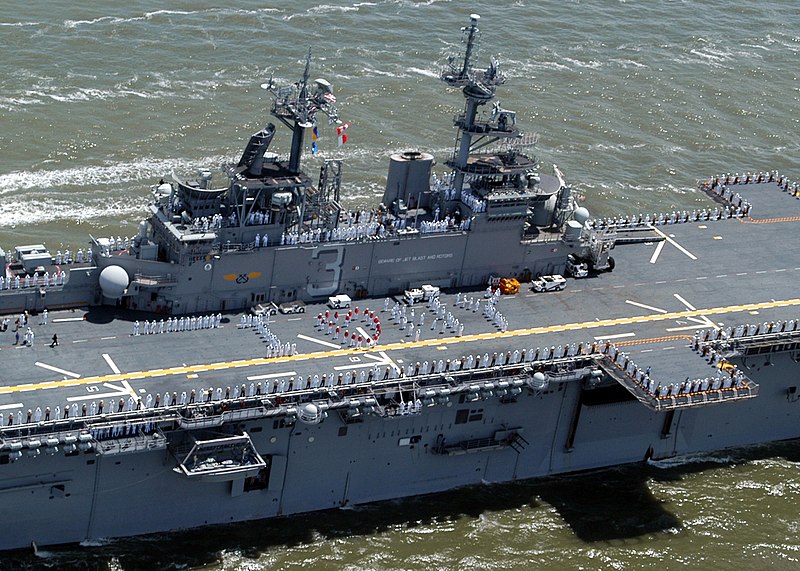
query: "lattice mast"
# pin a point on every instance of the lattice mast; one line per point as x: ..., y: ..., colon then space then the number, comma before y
x: 478, y: 89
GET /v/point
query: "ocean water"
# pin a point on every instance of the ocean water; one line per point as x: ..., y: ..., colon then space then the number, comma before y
x: 634, y: 101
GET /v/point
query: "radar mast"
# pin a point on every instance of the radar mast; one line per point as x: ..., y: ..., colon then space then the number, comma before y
x: 297, y: 104
x: 478, y: 88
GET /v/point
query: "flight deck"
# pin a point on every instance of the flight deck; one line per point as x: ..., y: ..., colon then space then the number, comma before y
x: 693, y: 276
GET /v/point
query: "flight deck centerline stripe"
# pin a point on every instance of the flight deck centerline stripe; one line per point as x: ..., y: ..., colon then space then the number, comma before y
x: 111, y: 363
x: 10, y: 406
x: 62, y: 319
x: 319, y: 341
x: 617, y: 336
x: 643, y: 306
x: 657, y: 252
x: 747, y: 307
x: 271, y: 376
x: 56, y: 369
x: 673, y: 242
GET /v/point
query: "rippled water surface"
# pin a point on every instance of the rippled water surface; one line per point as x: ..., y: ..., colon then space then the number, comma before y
x: 633, y: 100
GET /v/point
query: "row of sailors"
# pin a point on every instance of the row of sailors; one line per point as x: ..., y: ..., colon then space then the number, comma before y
x: 500, y: 320
x: 275, y: 348
x: 357, y: 232
x: 312, y: 381
x: 80, y: 256
x: 735, y: 379
x: 466, y: 196
x: 56, y: 279
x: 490, y: 311
x: 733, y: 198
x: 176, y: 324
x: 696, y: 386
x: 352, y: 217
x: 257, y: 218
x: 745, y: 330
x: 205, y: 223
x: 411, y: 407
x: 117, y: 244
x: 445, y: 225
x: 743, y: 209
x: 444, y: 186
x: 472, y: 201
x: 746, y: 178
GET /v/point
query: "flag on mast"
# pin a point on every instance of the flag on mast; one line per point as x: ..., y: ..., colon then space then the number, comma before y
x: 340, y: 131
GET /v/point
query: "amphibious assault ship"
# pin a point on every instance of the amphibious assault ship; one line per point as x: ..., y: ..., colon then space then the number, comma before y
x: 257, y: 350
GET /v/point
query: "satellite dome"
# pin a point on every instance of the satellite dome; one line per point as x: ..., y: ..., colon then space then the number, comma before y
x: 310, y: 413
x: 581, y: 215
x: 113, y: 281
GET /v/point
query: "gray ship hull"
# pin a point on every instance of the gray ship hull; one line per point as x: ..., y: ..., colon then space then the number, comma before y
x: 60, y: 499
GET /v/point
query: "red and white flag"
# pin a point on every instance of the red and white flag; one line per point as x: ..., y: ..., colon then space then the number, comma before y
x: 340, y: 130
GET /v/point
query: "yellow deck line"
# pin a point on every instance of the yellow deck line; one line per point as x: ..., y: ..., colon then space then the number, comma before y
x: 399, y: 346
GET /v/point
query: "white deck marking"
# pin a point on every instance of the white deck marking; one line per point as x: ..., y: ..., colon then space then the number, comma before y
x: 57, y: 370
x: 358, y: 366
x: 643, y: 306
x: 111, y: 363
x: 657, y: 252
x: 684, y: 328
x: 271, y: 376
x: 673, y: 242
x: 62, y: 319
x: 10, y: 406
x: 388, y: 360
x: 94, y: 396
x: 319, y: 341
x: 617, y: 336
x: 384, y: 359
x: 124, y: 388
x: 366, y: 335
x: 684, y: 302
x: 700, y: 320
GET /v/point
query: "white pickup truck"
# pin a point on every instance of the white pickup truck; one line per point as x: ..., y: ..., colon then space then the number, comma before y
x: 549, y: 283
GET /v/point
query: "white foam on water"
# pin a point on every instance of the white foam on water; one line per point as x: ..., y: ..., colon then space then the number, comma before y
x: 423, y: 72
x: 690, y: 459
x: 143, y: 169
x: 14, y: 213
